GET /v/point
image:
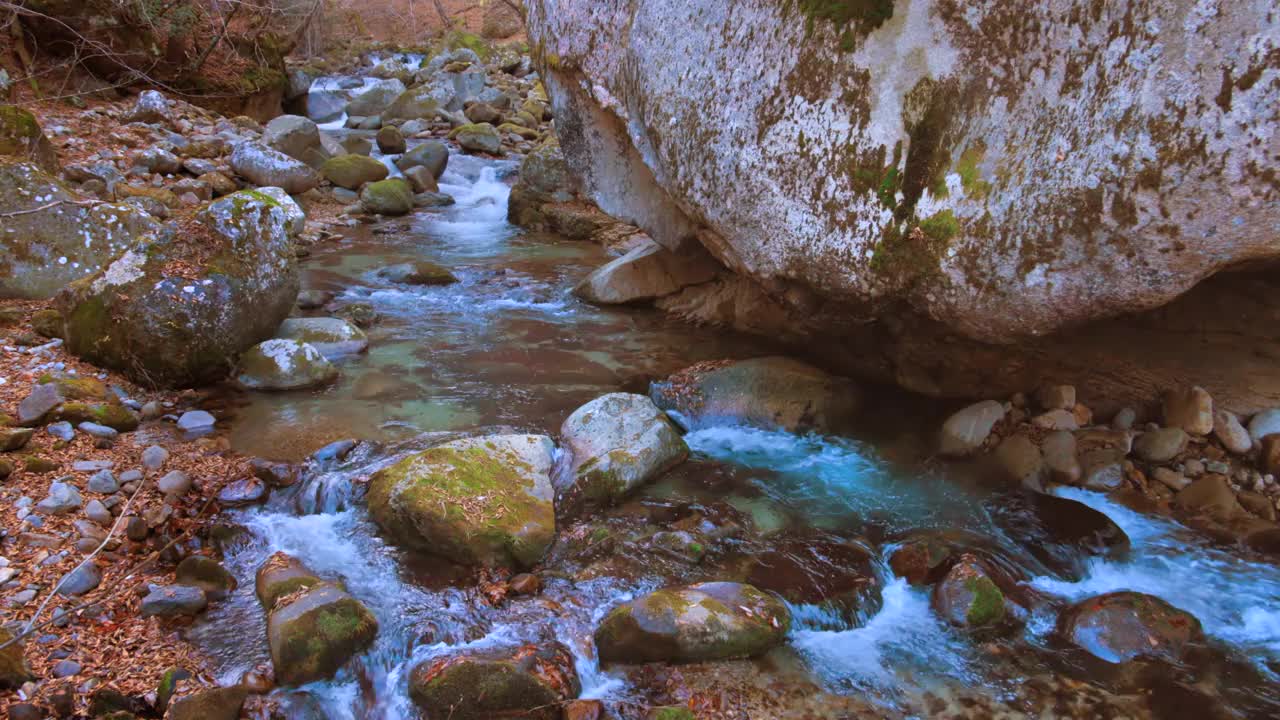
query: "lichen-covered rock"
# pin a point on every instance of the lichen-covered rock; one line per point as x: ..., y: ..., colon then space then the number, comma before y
x: 526, y: 682
x: 698, y: 623
x: 649, y: 271
x: 55, y: 238
x: 22, y: 139
x: 1006, y: 177
x: 278, y: 364
x: 1121, y: 626
x: 353, y: 171
x: 180, y: 309
x: 391, y: 141
x: 615, y: 444
x: 478, y: 137
x: 314, y: 633
x: 477, y: 501
x: 331, y: 336
x: 267, y: 167
x: 393, y: 196
x: 770, y: 392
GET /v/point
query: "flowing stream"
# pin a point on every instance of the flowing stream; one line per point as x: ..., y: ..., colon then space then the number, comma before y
x: 509, y: 347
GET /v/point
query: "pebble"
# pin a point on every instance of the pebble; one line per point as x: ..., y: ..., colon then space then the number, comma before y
x: 103, y: 482
x: 62, y: 430
x: 66, y: 668
x: 154, y: 457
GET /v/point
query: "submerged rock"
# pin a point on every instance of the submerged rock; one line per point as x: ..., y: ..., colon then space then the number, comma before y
x: 179, y: 310
x: 528, y: 682
x: 477, y: 501
x: 1059, y: 532
x: 1121, y: 626
x: 420, y: 272
x: 769, y: 393
x: 703, y: 622
x: 615, y: 444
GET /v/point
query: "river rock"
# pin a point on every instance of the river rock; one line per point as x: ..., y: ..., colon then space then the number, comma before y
x: 196, y: 423
x: 698, y: 623
x: 649, y: 271
x: 420, y: 272
x: 14, y: 670
x: 151, y: 107
x: 1103, y: 470
x: 1228, y: 430
x: 422, y: 180
x: 14, y: 438
x: 22, y: 140
x: 1161, y: 446
x: 544, y: 178
x: 527, y: 682
x: 375, y: 98
x: 1209, y: 495
x: 615, y: 444
x: 160, y: 326
x: 63, y: 498
x: 173, y: 601
x: 85, y: 578
x: 207, y: 574
x: 838, y: 574
x: 1121, y: 626
x: 242, y: 493
x: 1060, y: 457
x: 504, y: 483
x: 478, y: 138
x: 297, y: 137
x: 284, y: 365
x: 769, y: 393
x: 215, y: 704
x: 393, y: 196
x: 50, y: 238
x: 1021, y: 460
x: 1263, y: 424
x: 282, y: 575
x: 432, y: 155
x: 1190, y: 409
x: 313, y: 634
x: 103, y: 482
x: 967, y: 597
x: 354, y: 171
x: 267, y: 167
x: 967, y: 430
x: 157, y: 160
x: 333, y: 337
x: 174, y: 484
x: 481, y: 112
x: 391, y: 141
x: 1061, y: 533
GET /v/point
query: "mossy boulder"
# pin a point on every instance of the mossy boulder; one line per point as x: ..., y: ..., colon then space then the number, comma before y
x: 333, y: 337
x: 178, y: 310
x: 544, y: 178
x: 214, y: 704
x: 314, y: 633
x: 1121, y: 626
x: 419, y: 103
x: 615, y: 443
x: 698, y: 623
x: 478, y: 138
x: 354, y: 171
x: 207, y: 574
x: 284, y: 365
x: 22, y: 139
x: 967, y: 597
x: 432, y: 155
x: 47, y: 323
x: 53, y: 240
x: 477, y: 501
x: 14, y: 670
x: 77, y: 388
x: 112, y: 414
x: 388, y: 197
x: 14, y: 438
x: 769, y: 393
x: 281, y: 575
x: 528, y: 682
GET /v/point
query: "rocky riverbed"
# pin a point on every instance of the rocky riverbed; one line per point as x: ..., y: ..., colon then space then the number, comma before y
x: 447, y: 461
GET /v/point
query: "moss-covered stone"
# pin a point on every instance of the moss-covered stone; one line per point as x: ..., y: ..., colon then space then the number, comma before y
x: 48, y: 323
x: 529, y: 682
x: 353, y: 171
x: 419, y: 103
x: 39, y: 465
x: 279, y: 576
x: 315, y: 633
x: 478, y: 137
x: 478, y: 501
x: 22, y: 139
x: 14, y: 438
x: 7, y: 467
x: 388, y: 197
x: 214, y: 704
x: 969, y: 598
x: 112, y: 414
x: 671, y: 713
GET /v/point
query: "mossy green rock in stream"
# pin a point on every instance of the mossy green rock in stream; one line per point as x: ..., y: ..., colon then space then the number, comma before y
x: 331, y: 336
x: 703, y: 622
x: 1121, y: 626
x: 284, y: 365
x: 215, y: 704
x: 476, y: 501
x: 478, y: 137
x: 420, y: 103
x: 14, y: 670
x: 388, y: 197
x: 180, y: 308
x: 112, y: 414
x: 353, y: 171
x: 54, y: 241
x: 769, y: 393
x: 315, y: 633
x: 967, y: 597
x: 671, y: 713
x: 528, y: 682
x: 279, y: 576
x: 22, y: 139
x: 616, y: 443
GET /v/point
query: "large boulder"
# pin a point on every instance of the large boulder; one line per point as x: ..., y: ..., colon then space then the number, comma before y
x: 544, y: 178
x: 179, y: 309
x: 614, y: 444
x: 478, y: 138
x: 375, y: 98
x: 313, y: 633
x: 770, y: 393
x: 354, y: 171
x: 267, y: 167
x: 22, y: 139
x: 526, y: 682
x: 963, y: 186
x: 647, y: 272
x: 477, y: 501
x: 698, y: 623
x: 1121, y: 626
x: 297, y: 137
x: 51, y: 237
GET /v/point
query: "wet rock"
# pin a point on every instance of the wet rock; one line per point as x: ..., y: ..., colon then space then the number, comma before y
x: 422, y: 180
x: 216, y: 704
x: 418, y: 273
x: 967, y: 430
x: 647, y: 272
x: 14, y: 670
x: 679, y: 544
x: 1061, y: 533
x: 836, y: 574
x: 378, y: 97
x: 313, y: 634
x: 1060, y: 458
x: 1122, y: 626
x: 282, y: 575
x: 391, y: 141
x: 333, y: 337
x: 1103, y: 470
x: 615, y: 444
x: 354, y: 171
x: 432, y: 155
x: 968, y: 598
x: 1209, y: 495
x: 267, y: 167
x: 85, y: 578
x: 387, y: 197
x: 478, y: 138
x: 160, y: 326
x: 207, y: 574
x: 1161, y: 446
x: 1020, y: 460
x: 529, y: 682
x: 275, y: 474
x: 1228, y: 430
x: 335, y: 451
x: 173, y: 601
x: 1056, y: 397
x: 284, y: 365
x: 504, y: 483
x: 704, y: 622
x: 63, y: 498
x: 770, y: 393
x: 242, y: 493
x: 1189, y: 409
